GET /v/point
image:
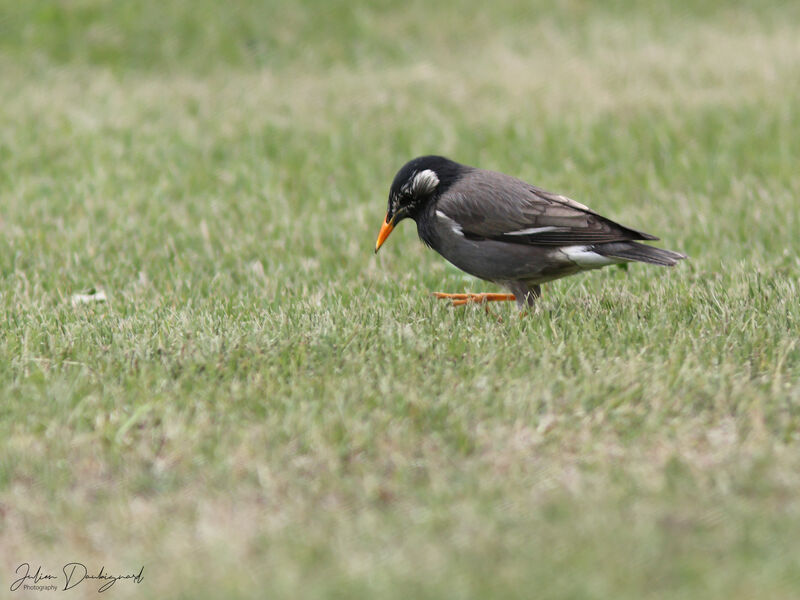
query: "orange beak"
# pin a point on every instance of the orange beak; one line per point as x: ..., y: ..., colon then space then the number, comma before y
x: 386, y: 229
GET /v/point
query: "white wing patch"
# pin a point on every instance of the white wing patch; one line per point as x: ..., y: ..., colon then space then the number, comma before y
x: 532, y: 230
x: 453, y: 224
x: 584, y: 257
x: 571, y: 202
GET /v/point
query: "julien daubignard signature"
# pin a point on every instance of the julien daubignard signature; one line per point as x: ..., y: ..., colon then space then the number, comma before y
x: 74, y: 574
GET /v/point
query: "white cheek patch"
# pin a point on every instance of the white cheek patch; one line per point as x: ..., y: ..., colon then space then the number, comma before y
x: 424, y: 182
x: 533, y: 230
x: 453, y: 224
x: 583, y: 257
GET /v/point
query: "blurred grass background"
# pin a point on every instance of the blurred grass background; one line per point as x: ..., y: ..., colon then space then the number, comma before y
x: 264, y: 408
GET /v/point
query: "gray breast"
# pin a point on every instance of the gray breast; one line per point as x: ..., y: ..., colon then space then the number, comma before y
x: 489, y: 259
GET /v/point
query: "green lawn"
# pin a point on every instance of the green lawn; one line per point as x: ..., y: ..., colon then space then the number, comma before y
x: 264, y: 408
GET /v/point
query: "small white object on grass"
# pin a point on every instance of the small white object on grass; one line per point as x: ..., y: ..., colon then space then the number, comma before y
x: 90, y: 296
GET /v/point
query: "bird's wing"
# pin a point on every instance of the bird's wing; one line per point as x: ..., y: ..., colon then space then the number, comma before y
x: 489, y: 205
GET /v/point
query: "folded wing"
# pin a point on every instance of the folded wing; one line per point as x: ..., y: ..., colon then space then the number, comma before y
x: 494, y: 206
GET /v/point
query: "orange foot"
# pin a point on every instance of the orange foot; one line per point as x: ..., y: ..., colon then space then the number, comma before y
x: 461, y: 299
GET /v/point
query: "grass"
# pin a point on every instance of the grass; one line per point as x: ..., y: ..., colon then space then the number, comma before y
x: 263, y: 408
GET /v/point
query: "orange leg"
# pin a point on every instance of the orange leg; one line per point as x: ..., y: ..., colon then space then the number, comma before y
x: 461, y: 299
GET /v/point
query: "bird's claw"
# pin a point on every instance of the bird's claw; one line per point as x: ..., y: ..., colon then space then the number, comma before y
x: 462, y: 299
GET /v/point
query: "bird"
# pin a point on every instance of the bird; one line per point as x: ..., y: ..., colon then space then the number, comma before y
x: 506, y: 231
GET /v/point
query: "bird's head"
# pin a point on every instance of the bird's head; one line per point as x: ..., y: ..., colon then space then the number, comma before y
x: 417, y: 183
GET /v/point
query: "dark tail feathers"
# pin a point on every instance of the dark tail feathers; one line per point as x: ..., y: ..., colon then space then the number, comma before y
x: 640, y: 253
